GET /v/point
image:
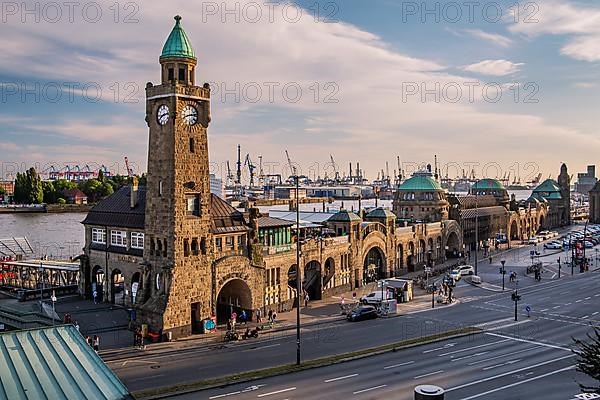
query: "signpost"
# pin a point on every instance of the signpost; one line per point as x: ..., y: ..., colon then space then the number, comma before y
x: 503, y: 272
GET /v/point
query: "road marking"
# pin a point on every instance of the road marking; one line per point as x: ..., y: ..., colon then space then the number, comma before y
x: 585, y: 317
x: 500, y: 365
x: 587, y: 298
x: 577, y: 301
x: 493, y: 322
x: 277, y: 392
x: 595, y: 313
x: 470, y: 356
x: 429, y: 374
x: 518, y: 383
x: 398, y: 365
x: 369, y: 389
x: 560, y: 293
x: 340, y: 378
x: 596, y: 295
x: 224, y: 395
x: 568, y: 304
x: 509, y: 325
x: 542, y: 310
x: 262, y: 347
x: 529, y: 341
x: 447, y: 346
x: 474, y: 347
x: 140, y: 361
x: 501, y: 355
x: 556, y: 307
x: 508, y: 373
x: 145, y: 377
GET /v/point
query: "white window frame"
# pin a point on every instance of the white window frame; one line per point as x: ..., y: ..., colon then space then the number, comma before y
x: 99, y: 235
x: 137, y: 240
x: 118, y: 238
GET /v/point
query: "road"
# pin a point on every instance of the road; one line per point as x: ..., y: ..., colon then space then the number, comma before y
x: 560, y: 309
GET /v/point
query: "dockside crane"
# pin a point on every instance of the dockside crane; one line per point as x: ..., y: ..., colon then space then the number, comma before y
x: 251, y: 168
x: 229, y: 175
x: 335, y: 171
x: 239, y: 167
x: 292, y: 168
x: 261, y: 173
x: 129, y: 170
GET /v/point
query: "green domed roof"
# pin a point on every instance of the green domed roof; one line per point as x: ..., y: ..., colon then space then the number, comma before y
x: 488, y: 184
x: 382, y: 213
x: 344, y: 216
x: 420, y: 181
x: 178, y: 45
x: 549, y: 185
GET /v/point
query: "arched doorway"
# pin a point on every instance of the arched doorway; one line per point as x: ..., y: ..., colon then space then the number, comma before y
x: 329, y: 272
x: 311, y: 283
x: 117, y: 287
x: 542, y: 222
x: 374, y: 265
x: 452, y: 245
x: 135, y: 287
x: 98, y: 282
x: 410, y: 260
x: 430, y: 252
x: 400, y: 256
x: 514, y: 230
x: 234, y: 296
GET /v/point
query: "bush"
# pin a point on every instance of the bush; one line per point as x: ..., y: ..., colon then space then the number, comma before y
x: 61, y: 201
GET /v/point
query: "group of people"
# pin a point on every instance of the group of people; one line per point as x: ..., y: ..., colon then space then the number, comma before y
x: 512, y: 277
x: 94, y: 342
x: 138, y: 339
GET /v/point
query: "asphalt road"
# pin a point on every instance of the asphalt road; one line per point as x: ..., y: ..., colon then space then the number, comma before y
x: 560, y: 309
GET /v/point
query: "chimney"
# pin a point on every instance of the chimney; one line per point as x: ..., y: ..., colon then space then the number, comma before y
x: 133, y: 192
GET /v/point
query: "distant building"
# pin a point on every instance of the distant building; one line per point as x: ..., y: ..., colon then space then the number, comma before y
x: 75, y: 196
x: 9, y: 188
x: 586, y: 180
x: 216, y: 186
x: 338, y: 192
x: 594, y: 212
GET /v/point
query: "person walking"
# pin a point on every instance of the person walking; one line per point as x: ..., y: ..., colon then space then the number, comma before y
x: 243, y: 317
x: 96, y: 343
x: 77, y: 326
x: 270, y: 315
x: 88, y: 340
x: 95, y: 296
x: 306, y: 299
x: 274, y: 316
x: 258, y: 315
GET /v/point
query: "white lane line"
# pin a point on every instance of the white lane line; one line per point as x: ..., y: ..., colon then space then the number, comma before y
x: 470, y: 356
x: 542, y: 310
x: 556, y: 307
x: 475, y: 347
x: 369, y: 389
x: 529, y: 341
x: 508, y: 373
x: 509, y: 325
x: 500, y: 365
x: 587, y: 298
x: 224, y: 395
x: 277, y: 392
x: 145, y: 377
x: 446, y: 346
x: 595, y: 313
x: 518, y: 383
x: 568, y: 304
x: 577, y: 301
x: 398, y: 365
x: 339, y: 378
x: 429, y: 374
x: 585, y: 317
x: 596, y: 295
x: 559, y: 293
x: 262, y: 347
x: 493, y: 322
x: 501, y: 355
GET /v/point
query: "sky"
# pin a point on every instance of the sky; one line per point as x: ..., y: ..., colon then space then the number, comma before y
x: 498, y: 87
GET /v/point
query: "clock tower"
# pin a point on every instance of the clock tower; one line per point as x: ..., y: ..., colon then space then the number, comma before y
x: 177, y: 246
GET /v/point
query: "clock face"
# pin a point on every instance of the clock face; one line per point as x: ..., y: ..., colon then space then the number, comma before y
x: 163, y: 115
x: 189, y: 114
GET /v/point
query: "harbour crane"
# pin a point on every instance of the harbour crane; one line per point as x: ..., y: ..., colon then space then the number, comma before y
x: 239, y: 167
x: 251, y: 168
x: 292, y: 168
x: 129, y: 170
x: 261, y: 173
x: 335, y: 171
x: 229, y: 175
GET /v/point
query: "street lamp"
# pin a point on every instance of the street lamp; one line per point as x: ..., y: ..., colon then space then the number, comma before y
x: 41, y: 274
x: 515, y: 297
x: 503, y: 272
x: 53, y: 298
x: 476, y: 223
x: 298, y: 268
x: 558, y: 267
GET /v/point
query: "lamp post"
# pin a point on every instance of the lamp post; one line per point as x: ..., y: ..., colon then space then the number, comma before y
x: 476, y: 223
x: 558, y: 267
x: 298, y: 269
x: 503, y: 272
x: 516, y: 298
x: 41, y: 286
x: 53, y: 298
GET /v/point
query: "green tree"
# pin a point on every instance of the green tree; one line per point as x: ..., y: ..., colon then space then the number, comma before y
x: 20, y: 194
x: 61, y: 201
x: 34, y: 184
x: 62, y: 184
x: 91, y: 188
x: 101, y: 176
x: 588, y: 360
x: 50, y: 194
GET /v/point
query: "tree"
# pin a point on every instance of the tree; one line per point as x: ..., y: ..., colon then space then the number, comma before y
x: 34, y: 184
x: 101, y: 175
x: 62, y: 184
x: 588, y: 361
x: 49, y: 192
x: 91, y: 188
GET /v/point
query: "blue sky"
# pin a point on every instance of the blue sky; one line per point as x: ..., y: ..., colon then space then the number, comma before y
x: 368, y: 66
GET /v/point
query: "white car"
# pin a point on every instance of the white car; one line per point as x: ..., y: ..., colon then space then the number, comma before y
x: 375, y: 297
x: 553, y: 245
x: 455, y: 274
x: 465, y: 270
x: 533, y: 240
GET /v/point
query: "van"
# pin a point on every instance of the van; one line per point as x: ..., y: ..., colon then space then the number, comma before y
x: 375, y: 297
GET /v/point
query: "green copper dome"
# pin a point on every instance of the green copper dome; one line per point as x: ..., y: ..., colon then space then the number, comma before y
x: 549, y: 185
x: 178, y: 45
x: 420, y: 181
x: 488, y: 184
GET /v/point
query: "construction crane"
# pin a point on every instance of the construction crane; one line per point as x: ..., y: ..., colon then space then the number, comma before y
x: 336, y: 174
x: 129, y: 170
x: 261, y: 173
x: 229, y: 175
x: 292, y: 168
x: 251, y: 168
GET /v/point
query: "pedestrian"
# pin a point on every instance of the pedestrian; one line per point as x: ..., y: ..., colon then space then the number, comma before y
x: 490, y: 259
x: 229, y: 324
x: 258, y: 315
x: 343, y: 301
x: 270, y: 314
x: 306, y: 300
x: 243, y: 317
x: 88, y: 340
x: 274, y: 316
x: 96, y: 343
x: 354, y: 296
x: 95, y: 296
x: 441, y: 290
x: 77, y: 326
x: 135, y: 338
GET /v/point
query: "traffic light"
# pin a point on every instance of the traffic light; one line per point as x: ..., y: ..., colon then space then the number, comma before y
x: 515, y: 297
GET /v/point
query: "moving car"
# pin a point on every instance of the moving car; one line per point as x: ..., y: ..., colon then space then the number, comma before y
x: 466, y: 270
x: 455, y: 275
x: 375, y: 297
x: 533, y: 240
x: 361, y: 313
x: 553, y: 245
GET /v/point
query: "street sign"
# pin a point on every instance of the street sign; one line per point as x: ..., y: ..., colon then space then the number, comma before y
x: 528, y: 309
x: 427, y: 269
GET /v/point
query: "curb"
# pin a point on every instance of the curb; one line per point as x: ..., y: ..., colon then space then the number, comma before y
x: 225, y: 381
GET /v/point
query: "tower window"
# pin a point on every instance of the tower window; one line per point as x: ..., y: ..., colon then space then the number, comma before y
x: 160, y: 188
x: 193, y: 204
x: 203, y: 245
x: 192, y: 150
x: 182, y: 74
x: 186, y: 247
x: 171, y: 74
x: 195, y: 247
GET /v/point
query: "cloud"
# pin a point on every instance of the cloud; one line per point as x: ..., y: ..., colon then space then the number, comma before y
x: 580, y: 22
x: 494, y: 38
x: 494, y: 67
x: 585, y: 85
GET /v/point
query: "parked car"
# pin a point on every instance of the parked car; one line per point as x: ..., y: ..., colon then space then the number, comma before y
x: 545, y: 235
x: 533, y: 240
x: 553, y: 245
x: 375, y: 297
x: 361, y: 313
x: 466, y: 270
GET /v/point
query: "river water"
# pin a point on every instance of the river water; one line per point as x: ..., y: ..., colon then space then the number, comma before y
x: 61, y: 236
